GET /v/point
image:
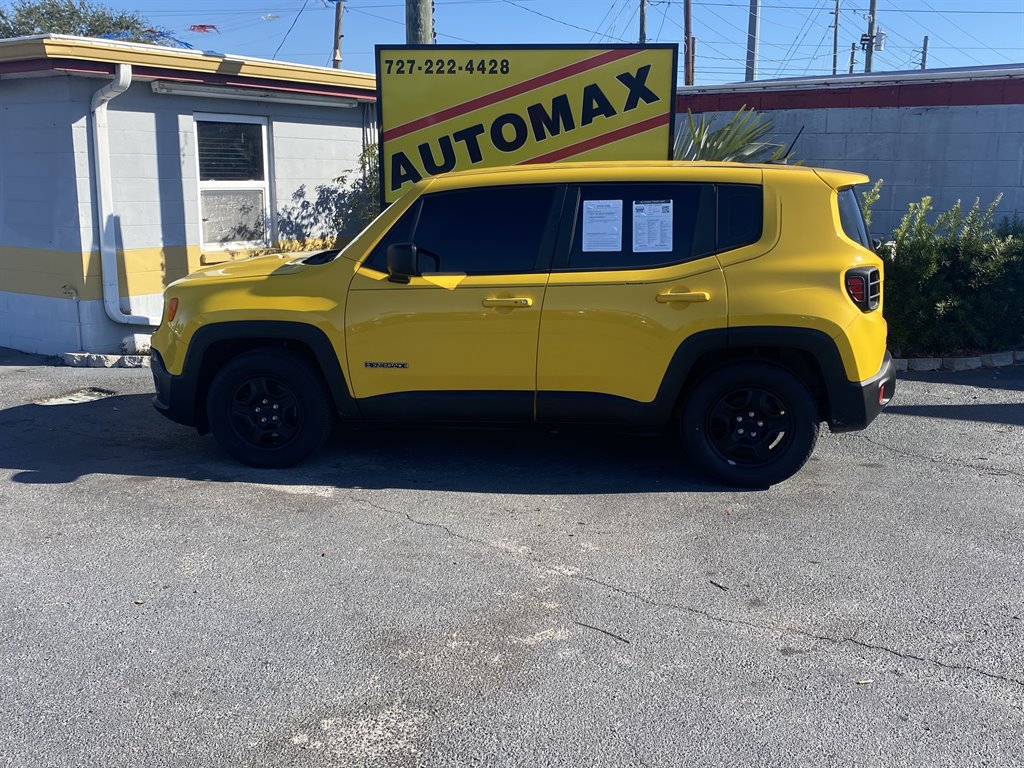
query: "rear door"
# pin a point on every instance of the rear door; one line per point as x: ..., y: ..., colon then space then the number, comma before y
x: 634, y: 276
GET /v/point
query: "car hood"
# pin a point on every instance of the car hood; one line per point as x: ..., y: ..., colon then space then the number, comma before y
x: 257, y: 266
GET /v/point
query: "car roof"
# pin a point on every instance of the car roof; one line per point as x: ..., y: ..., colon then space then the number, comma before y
x: 624, y: 170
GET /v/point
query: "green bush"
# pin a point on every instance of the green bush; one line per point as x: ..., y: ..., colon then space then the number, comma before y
x: 954, y: 281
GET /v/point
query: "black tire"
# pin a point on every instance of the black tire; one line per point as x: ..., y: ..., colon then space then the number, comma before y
x: 269, y: 408
x: 740, y: 449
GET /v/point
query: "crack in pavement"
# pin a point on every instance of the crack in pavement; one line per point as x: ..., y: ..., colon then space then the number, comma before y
x: 707, y: 615
x: 939, y: 460
x: 612, y: 635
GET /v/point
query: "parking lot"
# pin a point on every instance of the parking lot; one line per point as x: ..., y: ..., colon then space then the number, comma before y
x: 523, y: 598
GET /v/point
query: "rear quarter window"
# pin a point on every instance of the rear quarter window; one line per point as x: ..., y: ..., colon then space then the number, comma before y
x: 740, y: 215
x: 851, y: 217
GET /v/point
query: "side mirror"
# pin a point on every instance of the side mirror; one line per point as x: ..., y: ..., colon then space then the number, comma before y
x: 876, y: 244
x: 402, y: 258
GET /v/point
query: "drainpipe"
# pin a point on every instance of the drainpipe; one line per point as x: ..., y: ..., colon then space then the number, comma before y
x: 104, y: 198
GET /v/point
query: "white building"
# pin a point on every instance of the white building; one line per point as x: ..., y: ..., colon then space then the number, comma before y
x: 125, y: 166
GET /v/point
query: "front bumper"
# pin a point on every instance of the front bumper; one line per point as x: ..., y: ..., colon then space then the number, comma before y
x: 175, y: 395
x: 854, y: 405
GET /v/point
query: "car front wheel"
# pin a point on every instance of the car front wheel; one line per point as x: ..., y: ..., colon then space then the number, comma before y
x: 750, y: 424
x: 269, y: 408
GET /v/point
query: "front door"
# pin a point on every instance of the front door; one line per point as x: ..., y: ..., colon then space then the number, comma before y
x: 459, y: 340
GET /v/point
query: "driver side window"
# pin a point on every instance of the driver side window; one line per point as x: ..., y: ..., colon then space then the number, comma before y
x: 487, y: 231
x: 400, y: 233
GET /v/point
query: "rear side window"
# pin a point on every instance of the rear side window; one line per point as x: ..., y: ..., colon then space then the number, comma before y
x: 851, y: 217
x: 740, y: 215
x: 487, y: 231
x: 641, y: 226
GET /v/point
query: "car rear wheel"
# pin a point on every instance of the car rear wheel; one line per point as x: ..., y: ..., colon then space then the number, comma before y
x: 269, y: 408
x: 750, y: 424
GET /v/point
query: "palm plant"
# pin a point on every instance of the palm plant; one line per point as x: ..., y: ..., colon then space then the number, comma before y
x: 742, y: 140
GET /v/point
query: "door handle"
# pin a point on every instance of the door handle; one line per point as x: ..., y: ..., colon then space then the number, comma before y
x: 520, y: 301
x: 687, y: 296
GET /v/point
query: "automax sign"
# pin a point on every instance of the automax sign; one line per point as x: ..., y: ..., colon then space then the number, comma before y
x: 453, y: 108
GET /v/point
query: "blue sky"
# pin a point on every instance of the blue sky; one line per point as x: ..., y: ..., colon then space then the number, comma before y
x: 796, y: 35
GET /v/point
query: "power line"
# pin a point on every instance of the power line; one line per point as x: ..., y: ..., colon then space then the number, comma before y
x: 188, y: 11
x: 628, y: 22
x: 664, y: 18
x: 817, y: 48
x: 294, y: 22
x: 805, y: 29
x: 961, y: 29
x: 558, y: 21
x: 604, y: 18
x: 904, y: 37
x: 402, y: 24
x: 709, y: 43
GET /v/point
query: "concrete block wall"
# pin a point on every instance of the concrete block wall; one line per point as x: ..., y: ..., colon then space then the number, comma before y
x: 41, y: 210
x: 948, y: 152
x: 312, y: 151
x: 47, y: 213
x: 307, y: 145
x: 39, y: 194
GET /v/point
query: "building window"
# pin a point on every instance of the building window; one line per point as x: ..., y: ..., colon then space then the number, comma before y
x: 234, y: 196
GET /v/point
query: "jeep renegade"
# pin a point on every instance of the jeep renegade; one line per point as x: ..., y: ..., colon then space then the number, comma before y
x: 740, y: 303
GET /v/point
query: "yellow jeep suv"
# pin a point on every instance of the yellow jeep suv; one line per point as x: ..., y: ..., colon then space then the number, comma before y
x: 741, y: 303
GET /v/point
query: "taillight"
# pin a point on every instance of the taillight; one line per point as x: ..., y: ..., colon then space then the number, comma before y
x: 172, y: 308
x: 857, y: 287
x: 864, y: 287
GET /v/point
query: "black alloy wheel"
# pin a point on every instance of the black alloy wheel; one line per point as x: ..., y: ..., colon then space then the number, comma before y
x: 750, y: 423
x: 265, y: 412
x: 749, y: 426
x: 269, y: 408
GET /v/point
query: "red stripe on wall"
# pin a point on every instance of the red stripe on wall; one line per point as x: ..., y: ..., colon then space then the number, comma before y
x: 599, y: 141
x: 506, y: 93
x: 954, y: 93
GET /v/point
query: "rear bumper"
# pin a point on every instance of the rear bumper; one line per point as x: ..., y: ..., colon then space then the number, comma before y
x: 175, y: 395
x: 854, y: 405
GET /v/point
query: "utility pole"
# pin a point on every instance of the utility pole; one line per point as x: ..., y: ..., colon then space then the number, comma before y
x: 687, y: 43
x: 870, y: 50
x: 835, y: 41
x: 418, y: 23
x: 643, y: 21
x: 339, y: 9
x: 924, y: 53
x: 753, y: 36
x: 853, y: 56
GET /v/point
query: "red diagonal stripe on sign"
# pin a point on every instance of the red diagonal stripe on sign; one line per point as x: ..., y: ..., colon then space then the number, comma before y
x: 506, y: 93
x: 598, y: 141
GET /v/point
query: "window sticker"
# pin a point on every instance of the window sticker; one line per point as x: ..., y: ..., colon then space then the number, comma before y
x: 652, y: 226
x: 602, y: 225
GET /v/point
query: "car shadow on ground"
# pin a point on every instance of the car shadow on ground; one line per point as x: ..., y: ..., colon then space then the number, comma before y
x: 123, y: 435
x: 1009, y: 378
x: 993, y: 413
x: 14, y: 358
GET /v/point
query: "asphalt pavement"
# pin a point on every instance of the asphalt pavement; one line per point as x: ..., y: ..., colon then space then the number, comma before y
x: 418, y: 597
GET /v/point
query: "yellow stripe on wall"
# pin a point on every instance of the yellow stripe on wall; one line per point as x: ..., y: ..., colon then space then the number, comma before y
x: 141, y: 271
